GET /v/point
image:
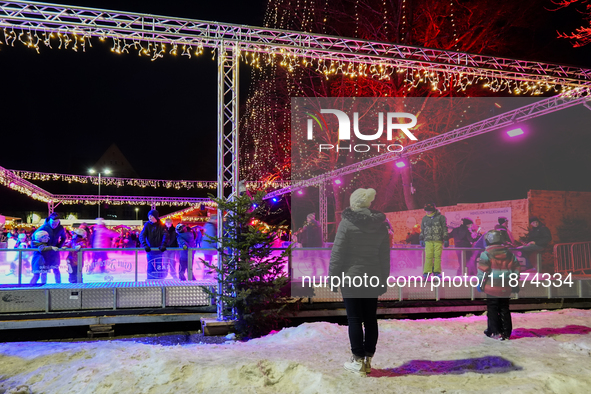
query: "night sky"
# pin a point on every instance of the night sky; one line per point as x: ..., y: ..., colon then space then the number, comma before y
x: 71, y: 106
x: 62, y: 109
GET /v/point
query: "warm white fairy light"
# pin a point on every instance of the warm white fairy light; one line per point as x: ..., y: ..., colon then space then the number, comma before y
x: 135, y: 182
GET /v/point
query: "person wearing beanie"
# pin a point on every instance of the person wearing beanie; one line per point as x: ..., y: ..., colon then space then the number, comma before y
x: 154, y: 239
x: 433, y: 237
x: 57, y: 237
x: 496, y: 266
x: 361, y: 249
x: 310, y: 235
x: 503, y: 227
x: 464, y: 237
x: 537, y: 239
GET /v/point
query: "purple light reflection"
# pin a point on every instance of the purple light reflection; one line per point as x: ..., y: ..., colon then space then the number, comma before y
x: 483, y: 365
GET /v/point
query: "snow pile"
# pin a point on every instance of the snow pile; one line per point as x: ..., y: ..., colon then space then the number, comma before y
x: 548, y: 352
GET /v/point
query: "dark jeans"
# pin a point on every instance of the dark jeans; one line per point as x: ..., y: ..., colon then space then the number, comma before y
x: 73, y: 271
x: 183, y: 264
x: 498, y: 316
x: 43, y: 276
x: 362, y: 311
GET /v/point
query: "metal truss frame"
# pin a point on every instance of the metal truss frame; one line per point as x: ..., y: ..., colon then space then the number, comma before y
x: 135, y: 28
x: 15, y: 182
x: 323, y: 208
x: 542, y: 107
x: 228, y: 144
x: 228, y: 121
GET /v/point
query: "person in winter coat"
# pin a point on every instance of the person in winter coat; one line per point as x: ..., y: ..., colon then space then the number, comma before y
x: 537, y: 239
x: 361, y: 249
x: 414, y: 237
x: 209, y: 240
x: 102, y: 239
x: 57, y: 237
x: 433, y: 237
x: 171, y: 255
x: 198, y: 236
x: 172, y: 241
x: 310, y: 236
x: 186, y: 240
x: 464, y: 238
x: 498, y: 269
x: 21, y: 243
x: 155, y: 236
x: 503, y: 226
x: 78, y: 242
x: 43, y: 258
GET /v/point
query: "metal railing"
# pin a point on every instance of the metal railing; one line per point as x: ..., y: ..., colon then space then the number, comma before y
x: 104, y: 265
x: 130, y: 264
x: 573, y: 258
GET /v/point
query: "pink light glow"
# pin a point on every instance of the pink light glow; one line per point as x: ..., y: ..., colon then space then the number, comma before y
x: 514, y: 132
x: 400, y: 164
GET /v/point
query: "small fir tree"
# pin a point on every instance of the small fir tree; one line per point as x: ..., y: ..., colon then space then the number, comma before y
x: 252, y: 274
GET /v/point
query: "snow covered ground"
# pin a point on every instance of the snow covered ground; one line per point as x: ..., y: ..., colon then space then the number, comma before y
x: 549, y: 352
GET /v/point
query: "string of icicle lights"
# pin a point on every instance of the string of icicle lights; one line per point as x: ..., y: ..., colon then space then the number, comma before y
x: 132, y: 200
x: 142, y: 183
x: 415, y: 74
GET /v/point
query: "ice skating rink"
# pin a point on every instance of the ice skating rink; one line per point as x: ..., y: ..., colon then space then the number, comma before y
x: 549, y: 352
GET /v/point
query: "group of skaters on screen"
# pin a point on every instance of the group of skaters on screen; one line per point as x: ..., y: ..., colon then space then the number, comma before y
x: 433, y: 235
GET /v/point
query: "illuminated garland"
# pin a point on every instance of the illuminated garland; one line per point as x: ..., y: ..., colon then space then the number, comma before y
x: 131, y: 200
x: 8, y: 179
x: 291, y: 59
x: 143, y: 183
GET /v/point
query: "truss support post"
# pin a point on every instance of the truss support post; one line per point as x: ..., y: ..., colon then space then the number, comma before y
x: 51, y: 205
x: 228, y: 177
x: 323, y: 210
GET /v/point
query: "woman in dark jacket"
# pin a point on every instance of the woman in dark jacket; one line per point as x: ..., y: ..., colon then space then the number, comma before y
x: 361, y: 252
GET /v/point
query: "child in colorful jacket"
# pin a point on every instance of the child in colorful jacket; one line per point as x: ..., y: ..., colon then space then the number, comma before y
x: 498, y: 277
x: 78, y: 242
x: 42, y: 262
